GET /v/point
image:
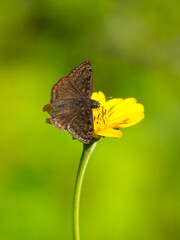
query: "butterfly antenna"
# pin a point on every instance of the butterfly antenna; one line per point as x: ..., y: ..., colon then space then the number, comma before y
x: 106, y: 97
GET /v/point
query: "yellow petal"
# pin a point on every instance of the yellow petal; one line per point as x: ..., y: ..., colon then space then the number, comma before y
x: 132, y: 120
x: 48, y: 108
x: 48, y: 120
x: 122, y: 109
x: 109, y: 132
x: 127, y: 120
x: 109, y: 105
x: 125, y: 104
x: 99, y: 96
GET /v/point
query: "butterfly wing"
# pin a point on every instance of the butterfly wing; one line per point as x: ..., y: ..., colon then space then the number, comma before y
x: 61, y: 118
x: 81, y: 126
x: 81, y: 78
x: 68, y: 115
x: 77, y: 84
x: 63, y: 90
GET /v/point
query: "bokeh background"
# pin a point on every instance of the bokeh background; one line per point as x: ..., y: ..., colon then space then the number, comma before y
x: 131, y: 186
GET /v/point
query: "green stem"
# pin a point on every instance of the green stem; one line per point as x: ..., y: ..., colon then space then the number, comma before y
x: 87, y: 150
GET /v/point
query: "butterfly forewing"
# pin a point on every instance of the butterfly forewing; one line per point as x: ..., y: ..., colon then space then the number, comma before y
x: 81, y: 78
x: 81, y: 126
x: 63, y: 90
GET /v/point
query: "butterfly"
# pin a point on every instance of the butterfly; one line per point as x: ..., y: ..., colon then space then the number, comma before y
x: 71, y: 103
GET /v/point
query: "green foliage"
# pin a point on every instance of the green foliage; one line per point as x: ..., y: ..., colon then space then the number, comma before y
x: 131, y: 186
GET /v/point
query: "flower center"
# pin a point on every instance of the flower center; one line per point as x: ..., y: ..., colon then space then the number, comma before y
x: 100, y: 118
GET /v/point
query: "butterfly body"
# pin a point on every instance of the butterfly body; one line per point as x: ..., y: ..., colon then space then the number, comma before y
x: 76, y: 103
x: 72, y: 105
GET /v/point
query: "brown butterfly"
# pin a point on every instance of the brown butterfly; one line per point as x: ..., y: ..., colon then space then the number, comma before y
x: 72, y: 106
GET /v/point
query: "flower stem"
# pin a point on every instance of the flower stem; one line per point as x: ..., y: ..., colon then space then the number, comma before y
x: 87, y: 150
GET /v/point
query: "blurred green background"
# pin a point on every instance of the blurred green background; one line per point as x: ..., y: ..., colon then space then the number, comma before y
x: 132, y: 185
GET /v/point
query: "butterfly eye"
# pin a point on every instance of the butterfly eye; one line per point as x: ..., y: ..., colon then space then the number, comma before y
x: 95, y: 104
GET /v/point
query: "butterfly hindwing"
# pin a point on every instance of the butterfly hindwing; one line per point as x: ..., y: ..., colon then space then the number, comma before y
x: 63, y: 114
x: 81, y: 126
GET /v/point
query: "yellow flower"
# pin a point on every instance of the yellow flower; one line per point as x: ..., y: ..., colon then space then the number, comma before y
x: 111, y: 115
x: 114, y: 114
